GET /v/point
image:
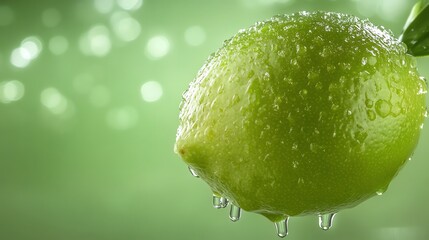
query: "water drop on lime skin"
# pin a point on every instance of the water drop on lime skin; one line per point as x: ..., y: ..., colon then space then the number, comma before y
x: 219, y: 202
x: 193, y: 172
x: 326, y: 220
x: 234, y: 213
x: 282, y: 227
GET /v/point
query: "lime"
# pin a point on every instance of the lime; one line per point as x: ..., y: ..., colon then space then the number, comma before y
x: 302, y: 114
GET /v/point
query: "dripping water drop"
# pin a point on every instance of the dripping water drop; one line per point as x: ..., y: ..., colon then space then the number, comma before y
x: 219, y: 202
x: 326, y: 220
x: 282, y: 227
x: 234, y: 213
x: 193, y: 172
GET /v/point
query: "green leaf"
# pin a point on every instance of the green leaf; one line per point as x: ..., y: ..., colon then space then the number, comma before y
x: 416, y: 30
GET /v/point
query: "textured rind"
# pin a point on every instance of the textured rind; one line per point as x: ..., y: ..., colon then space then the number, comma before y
x: 303, y: 114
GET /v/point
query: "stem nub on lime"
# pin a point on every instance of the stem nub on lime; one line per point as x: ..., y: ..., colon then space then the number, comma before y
x: 303, y: 114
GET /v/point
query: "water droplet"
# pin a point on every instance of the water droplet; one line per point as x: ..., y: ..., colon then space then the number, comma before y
x: 330, y: 68
x: 295, y: 164
x: 312, y: 75
x: 403, y: 47
x: 276, y: 107
x: 424, y: 80
x: 303, y: 93
x: 234, y: 213
x: 369, y: 103
x: 379, y: 193
x: 372, y: 61
x: 193, y: 172
x: 219, y: 202
x: 314, y: 147
x: 371, y: 115
x: 282, y: 227
x: 267, y: 76
x: 413, y: 62
x: 326, y: 220
x: 383, y: 108
x: 294, y: 146
x: 364, y: 61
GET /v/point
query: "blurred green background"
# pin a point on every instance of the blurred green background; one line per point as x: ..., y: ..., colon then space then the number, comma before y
x: 89, y: 96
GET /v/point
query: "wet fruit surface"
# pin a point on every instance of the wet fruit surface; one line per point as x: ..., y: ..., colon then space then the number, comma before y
x: 303, y: 114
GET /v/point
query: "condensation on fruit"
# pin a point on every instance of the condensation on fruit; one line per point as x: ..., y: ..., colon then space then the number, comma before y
x: 294, y: 97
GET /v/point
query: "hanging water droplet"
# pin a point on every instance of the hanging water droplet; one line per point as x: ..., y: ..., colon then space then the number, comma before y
x: 234, y: 213
x: 379, y: 193
x: 193, y: 172
x: 326, y: 220
x: 371, y: 115
x: 383, y: 108
x: 219, y: 202
x: 282, y: 227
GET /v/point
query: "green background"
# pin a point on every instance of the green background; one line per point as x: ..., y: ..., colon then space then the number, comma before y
x: 89, y: 96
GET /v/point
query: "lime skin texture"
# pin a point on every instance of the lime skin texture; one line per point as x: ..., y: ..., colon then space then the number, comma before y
x: 303, y: 114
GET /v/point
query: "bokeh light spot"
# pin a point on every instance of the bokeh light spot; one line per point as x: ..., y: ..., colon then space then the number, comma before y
x: 158, y: 46
x: 31, y: 47
x: 122, y: 118
x: 104, y: 6
x: 6, y: 15
x: 130, y: 4
x: 51, y: 17
x: 391, y: 10
x: 29, y: 50
x: 151, y: 91
x: 195, y: 36
x: 18, y: 59
x: 96, y: 42
x: 58, y: 45
x: 11, y: 91
x: 125, y: 27
x: 53, y: 100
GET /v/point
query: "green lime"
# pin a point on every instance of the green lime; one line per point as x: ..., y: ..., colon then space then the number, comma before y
x: 303, y: 114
